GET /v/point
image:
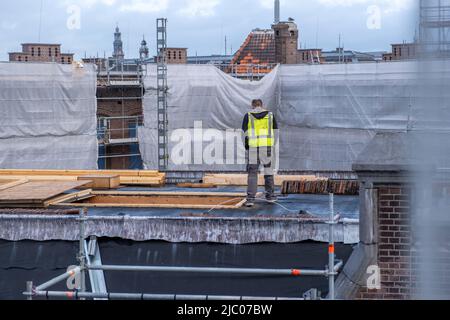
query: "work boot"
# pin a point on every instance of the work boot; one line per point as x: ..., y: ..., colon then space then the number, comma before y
x: 272, y: 199
x: 250, y: 203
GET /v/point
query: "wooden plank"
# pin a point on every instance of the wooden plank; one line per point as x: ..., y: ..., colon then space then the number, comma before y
x: 101, y: 182
x: 131, y: 173
x: 196, y: 185
x: 156, y: 206
x: 44, y: 178
x: 241, y: 179
x: 12, y: 184
x: 5, y: 181
x: 69, y: 197
x: 171, y: 193
x: 127, y: 177
x: 37, y: 191
x: 157, y: 181
x: 68, y: 200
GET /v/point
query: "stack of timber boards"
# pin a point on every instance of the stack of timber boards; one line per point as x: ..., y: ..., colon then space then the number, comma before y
x: 98, y: 182
x: 35, y: 194
x: 324, y: 186
x: 241, y: 179
x: 127, y: 177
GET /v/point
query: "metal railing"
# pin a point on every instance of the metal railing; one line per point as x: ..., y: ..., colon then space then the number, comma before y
x: 330, y: 271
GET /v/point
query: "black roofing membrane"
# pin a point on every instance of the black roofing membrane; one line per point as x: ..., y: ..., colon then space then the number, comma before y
x: 40, y: 261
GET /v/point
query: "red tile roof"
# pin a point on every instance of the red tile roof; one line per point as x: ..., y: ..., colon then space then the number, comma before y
x: 257, y: 49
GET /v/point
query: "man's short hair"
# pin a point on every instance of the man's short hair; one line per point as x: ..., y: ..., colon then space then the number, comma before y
x: 257, y: 102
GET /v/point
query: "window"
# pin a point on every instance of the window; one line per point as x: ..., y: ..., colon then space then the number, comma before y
x: 32, y: 51
x: 49, y: 52
x: 26, y: 59
x: 63, y: 60
x: 19, y: 58
x: 56, y: 52
x: 69, y: 61
x: 39, y: 51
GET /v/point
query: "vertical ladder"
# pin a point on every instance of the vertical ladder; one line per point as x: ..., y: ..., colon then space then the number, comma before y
x: 161, y: 36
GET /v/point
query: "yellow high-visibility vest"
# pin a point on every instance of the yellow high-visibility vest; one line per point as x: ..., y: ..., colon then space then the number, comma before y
x: 260, y: 131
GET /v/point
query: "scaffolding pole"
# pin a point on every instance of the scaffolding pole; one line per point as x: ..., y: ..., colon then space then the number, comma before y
x: 230, y: 271
x: 331, y: 250
x: 161, y: 36
x: 82, y: 250
x: 143, y: 296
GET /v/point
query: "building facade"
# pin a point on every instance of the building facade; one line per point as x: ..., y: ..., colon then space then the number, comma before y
x: 176, y: 55
x: 310, y: 56
x: 41, y: 52
x: 402, y: 51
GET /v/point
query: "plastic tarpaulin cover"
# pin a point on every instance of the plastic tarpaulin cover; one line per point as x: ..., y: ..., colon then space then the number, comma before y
x: 327, y: 114
x: 48, y: 116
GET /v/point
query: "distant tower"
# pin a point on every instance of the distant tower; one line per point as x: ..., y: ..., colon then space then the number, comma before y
x: 118, y: 45
x: 286, y: 42
x: 277, y: 12
x: 144, y: 51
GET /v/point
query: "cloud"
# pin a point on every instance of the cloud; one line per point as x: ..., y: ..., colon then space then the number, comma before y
x: 88, y: 3
x: 269, y: 4
x: 388, y: 6
x: 145, y: 6
x: 199, y: 8
x: 8, y: 25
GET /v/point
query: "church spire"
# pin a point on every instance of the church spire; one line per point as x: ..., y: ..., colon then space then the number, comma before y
x: 144, y: 51
x: 118, y: 45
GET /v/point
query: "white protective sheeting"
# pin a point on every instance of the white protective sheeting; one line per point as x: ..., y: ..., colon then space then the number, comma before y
x: 327, y: 114
x: 48, y: 116
x: 59, y: 153
x: 207, y: 95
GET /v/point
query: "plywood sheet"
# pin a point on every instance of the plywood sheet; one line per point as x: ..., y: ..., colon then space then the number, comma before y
x: 37, y: 192
x: 172, y: 200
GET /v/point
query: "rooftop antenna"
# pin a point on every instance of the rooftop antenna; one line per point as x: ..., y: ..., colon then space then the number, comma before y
x: 339, y: 48
x: 40, y: 21
x: 226, y: 46
x: 317, y: 33
x: 277, y: 12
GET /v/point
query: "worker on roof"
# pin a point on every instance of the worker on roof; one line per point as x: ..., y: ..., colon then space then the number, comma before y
x: 260, y: 126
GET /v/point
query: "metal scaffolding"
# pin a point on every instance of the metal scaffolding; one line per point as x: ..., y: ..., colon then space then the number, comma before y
x: 121, y: 82
x: 161, y: 41
x: 435, y: 28
x: 90, y: 261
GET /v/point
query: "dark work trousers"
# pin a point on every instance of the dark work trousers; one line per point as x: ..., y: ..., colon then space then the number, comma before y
x: 257, y: 157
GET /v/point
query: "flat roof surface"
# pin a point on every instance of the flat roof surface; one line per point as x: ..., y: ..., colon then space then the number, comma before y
x: 291, y: 205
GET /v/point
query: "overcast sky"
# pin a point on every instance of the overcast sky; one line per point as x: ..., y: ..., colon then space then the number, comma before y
x: 87, y: 26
